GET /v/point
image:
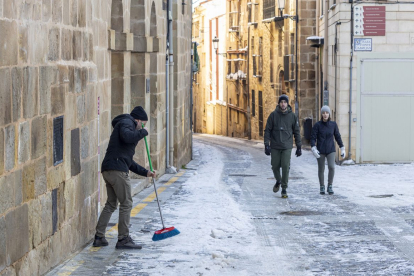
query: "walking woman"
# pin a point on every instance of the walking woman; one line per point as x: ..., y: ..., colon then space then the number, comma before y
x: 323, y: 133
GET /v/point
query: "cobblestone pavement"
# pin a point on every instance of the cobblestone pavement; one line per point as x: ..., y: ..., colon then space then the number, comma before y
x: 305, y: 234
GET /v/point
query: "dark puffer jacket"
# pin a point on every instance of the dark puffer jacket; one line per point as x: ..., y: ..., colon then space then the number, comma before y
x: 323, y: 134
x: 280, y: 129
x: 122, y: 144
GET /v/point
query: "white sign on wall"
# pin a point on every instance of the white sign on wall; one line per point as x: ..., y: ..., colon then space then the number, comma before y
x: 362, y: 44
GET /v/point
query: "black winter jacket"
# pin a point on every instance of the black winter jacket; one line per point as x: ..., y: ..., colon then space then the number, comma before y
x: 122, y: 144
x: 324, y: 133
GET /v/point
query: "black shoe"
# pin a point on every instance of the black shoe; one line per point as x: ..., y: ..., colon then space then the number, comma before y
x: 127, y: 243
x: 322, y: 190
x: 276, y: 187
x: 284, y: 193
x: 330, y: 191
x: 100, y: 241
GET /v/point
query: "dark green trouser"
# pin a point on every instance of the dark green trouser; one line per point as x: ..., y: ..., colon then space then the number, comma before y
x: 118, y: 188
x: 281, y: 159
x: 331, y: 167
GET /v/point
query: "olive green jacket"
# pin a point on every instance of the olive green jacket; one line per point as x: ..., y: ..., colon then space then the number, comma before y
x: 280, y: 129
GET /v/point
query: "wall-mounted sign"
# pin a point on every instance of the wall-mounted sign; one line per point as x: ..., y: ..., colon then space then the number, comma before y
x: 362, y: 44
x: 369, y: 20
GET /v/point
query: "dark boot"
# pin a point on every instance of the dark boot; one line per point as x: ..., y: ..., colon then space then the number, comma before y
x: 322, y: 190
x: 284, y: 193
x: 276, y: 187
x: 100, y: 241
x: 330, y: 191
x: 127, y: 243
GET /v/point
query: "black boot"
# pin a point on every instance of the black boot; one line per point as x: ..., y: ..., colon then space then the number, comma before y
x: 284, y: 193
x: 322, y: 190
x: 127, y: 243
x: 276, y: 187
x: 100, y: 241
x: 330, y: 191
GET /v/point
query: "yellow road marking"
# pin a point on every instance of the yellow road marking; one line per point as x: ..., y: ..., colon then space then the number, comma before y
x: 151, y: 197
x: 180, y: 173
x: 171, y: 181
x: 70, y: 269
x: 138, y: 209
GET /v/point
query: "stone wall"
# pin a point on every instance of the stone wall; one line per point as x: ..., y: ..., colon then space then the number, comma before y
x: 49, y: 68
x: 59, y: 58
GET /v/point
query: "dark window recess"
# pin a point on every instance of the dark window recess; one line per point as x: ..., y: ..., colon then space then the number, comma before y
x: 268, y: 9
x: 260, y: 114
x: 54, y: 210
x: 253, y: 104
x: 57, y: 140
x: 75, y: 164
x: 254, y: 66
x: 249, y: 12
x: 228, y: 67
x: 164, y: 5
x: 286, y: 62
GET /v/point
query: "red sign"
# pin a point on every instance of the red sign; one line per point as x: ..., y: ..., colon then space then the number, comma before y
x: 369, y: 20
x: 374, y: 32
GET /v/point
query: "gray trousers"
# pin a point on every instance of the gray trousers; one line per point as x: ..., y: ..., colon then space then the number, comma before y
x: 118, y: 188
x: 331, y: 167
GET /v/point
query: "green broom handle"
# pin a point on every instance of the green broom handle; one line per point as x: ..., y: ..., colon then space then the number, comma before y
x: 148, y: 153
x: 153, y: 180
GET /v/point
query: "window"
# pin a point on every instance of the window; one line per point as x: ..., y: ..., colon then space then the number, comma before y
x: 271, y: 60
x: 321, y: 4
x: 183, y: 7
x: 268, y: 9
x: 228, y: 67
x: 260, y: 55
x: 254, y: 66
x: 260, y: 114
x: 253, y: 13
x: 253, y: 104
x: 196, y: 33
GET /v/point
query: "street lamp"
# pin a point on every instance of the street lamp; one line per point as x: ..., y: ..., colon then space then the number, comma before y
x: 215, y: 43
x: 281, y: 4
x: 215, y: 46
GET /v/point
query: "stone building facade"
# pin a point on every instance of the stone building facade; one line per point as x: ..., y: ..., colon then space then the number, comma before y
x: 260, y: 46
x: 209, y: 94
x: 380, y: 53
x: 66, y: 69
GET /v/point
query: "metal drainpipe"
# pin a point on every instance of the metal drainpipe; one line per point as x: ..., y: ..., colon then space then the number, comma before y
x: 167, y: 150
x: 249, y: 122
x: 325, y: 52
x: 171, y: 83
x: 296, y: 63
x: 336, y: 64
x: 350, y: 79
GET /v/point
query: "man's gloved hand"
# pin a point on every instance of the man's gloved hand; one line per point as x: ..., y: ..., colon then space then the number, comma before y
x: 298, y: 151
x: 315, y: 152
x: 343, y: 152
x: 267, y: 149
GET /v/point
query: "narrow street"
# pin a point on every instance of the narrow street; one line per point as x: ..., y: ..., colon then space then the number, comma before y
x: 232, y: 223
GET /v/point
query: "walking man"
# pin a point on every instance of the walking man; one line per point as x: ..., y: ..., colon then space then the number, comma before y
x: 281, y: 126
x: 115, y: 169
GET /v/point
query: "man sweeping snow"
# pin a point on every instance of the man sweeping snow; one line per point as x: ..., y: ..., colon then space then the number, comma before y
x: 116, y: 165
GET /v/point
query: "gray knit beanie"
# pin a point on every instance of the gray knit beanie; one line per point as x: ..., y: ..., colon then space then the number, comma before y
x: 326, y: 108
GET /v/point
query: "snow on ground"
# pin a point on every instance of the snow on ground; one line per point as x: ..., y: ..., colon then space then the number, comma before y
x: 359, y: 183
x: 217, y: 238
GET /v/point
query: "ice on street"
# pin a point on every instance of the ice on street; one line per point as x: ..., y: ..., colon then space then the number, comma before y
x: 232, y: 223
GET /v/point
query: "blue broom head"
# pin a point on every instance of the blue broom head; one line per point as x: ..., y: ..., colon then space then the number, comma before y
x: 165, y: 233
